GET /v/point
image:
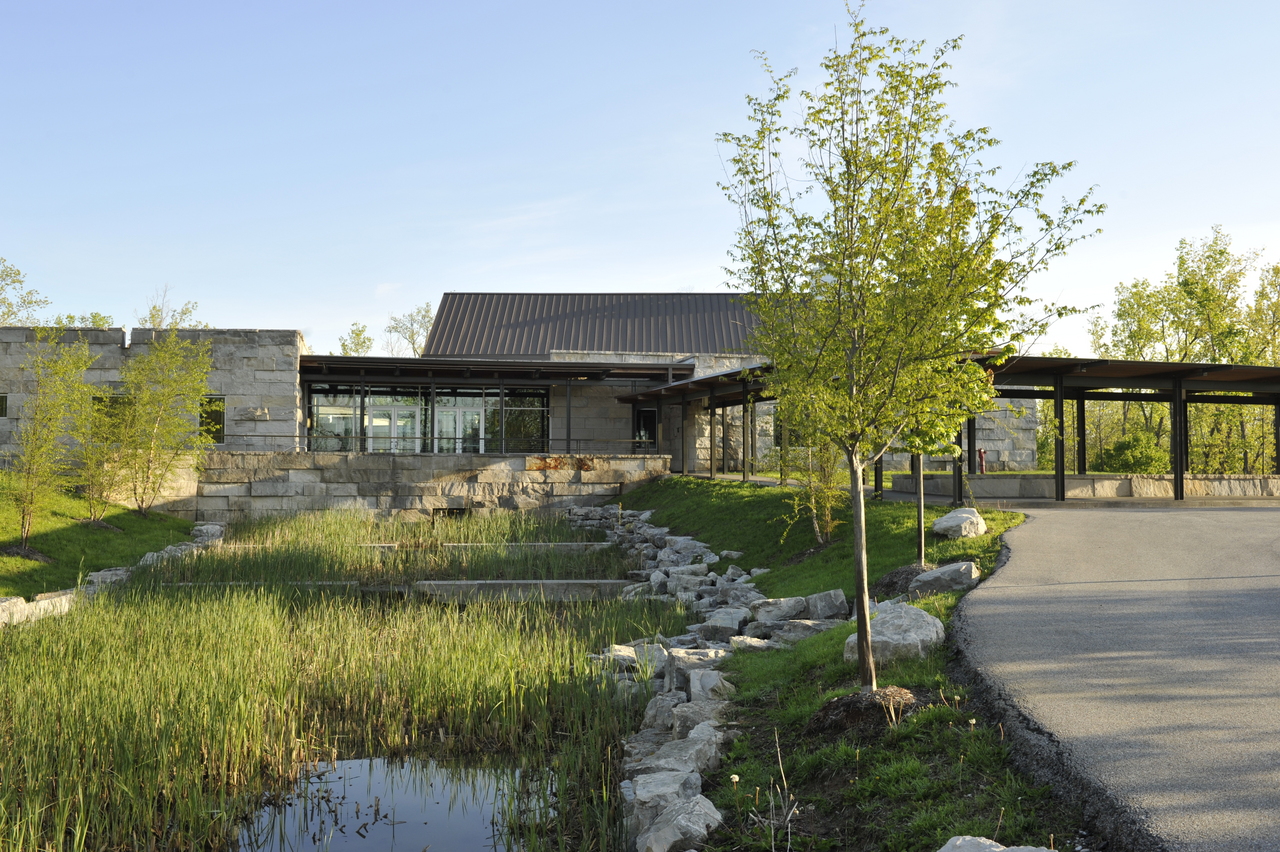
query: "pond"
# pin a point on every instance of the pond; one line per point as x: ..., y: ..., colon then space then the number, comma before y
x: 381, y: 804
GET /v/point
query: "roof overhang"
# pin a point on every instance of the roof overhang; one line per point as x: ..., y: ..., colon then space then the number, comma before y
x: 408, y: 371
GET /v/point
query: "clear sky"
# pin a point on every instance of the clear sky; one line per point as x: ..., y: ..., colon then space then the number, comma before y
x: 307, y: 165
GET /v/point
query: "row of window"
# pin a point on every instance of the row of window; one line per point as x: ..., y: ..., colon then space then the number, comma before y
x: 213, y: 416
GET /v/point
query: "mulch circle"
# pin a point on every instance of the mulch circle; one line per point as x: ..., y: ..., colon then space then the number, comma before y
x: 896, y: 581
x: 26, y: 553
x: 865, y: 712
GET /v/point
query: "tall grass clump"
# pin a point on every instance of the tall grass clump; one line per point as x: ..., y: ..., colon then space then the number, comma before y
x: 359, y: 547
x: 158, y: 718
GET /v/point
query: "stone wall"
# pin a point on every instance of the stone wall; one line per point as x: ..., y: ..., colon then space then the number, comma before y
x: 238, y: 485
x: 256, y: 371
x: 1007, y: 433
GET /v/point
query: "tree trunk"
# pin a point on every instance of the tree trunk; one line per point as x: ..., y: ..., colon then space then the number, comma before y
x: 862, y: 600
x: 919, y: 465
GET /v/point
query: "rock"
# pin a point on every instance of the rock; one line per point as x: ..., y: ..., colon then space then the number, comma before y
x: 683, y: 826
x: 683, y: 583
x: 960, y: 523
x: 779, y: 609
x: 750, y: 643
x: 658, y: 713
x: 896, y: 581
x: 687, y: 716
x: 658, y: 583
x: 756, y: 572
x: 982, y: 844
x: 790, y: 632
x: 723, y: 623
x: 698, y: 569
x: 955, y: 577
x: 899, y: 631
x: 738, y: 594
x: 652, y: 794
x: 692, y: 754
x: 633, y: 592
x: 828, y: 605
x: 709, y: 685
x: 733, y: 572
x: 731, y: 554
x: 681, y: 662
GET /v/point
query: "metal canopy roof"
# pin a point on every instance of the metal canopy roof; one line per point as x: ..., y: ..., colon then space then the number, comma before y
x: 407, y: 371
x: 727, y: 387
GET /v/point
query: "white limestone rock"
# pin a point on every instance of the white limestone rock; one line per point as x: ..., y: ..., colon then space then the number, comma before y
x: 779, y: 609
x: 899, y: 631
x: 709, y: 685
x: 965, y: 843
x: 731, y: 554
x: 658, y: 713
x: 955, y: 577
x: 682, y: 661
x: 723, y: 623
x: 828, y: 605
x: 750, y: 643
x: 652, y: 794
x: 681, y: 827
x: 691, y: 714
x: 960, y: 523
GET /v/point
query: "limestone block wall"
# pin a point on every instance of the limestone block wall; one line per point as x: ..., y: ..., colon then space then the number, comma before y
x: 256, y: 371
x: 1007, y: 433
x: 600, y: 422
x: 239, y: 485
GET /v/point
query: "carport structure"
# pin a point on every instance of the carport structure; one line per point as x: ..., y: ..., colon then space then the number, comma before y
x: 1176, y: 384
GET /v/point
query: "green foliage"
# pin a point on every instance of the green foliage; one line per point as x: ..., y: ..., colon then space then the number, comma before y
x: 162, y: 314
x: 1135, y: 453
x: 898, y: 258
x: 53, y: 378
x: 406, y: 334
x: 76, y: 547
x: 18, y: 305
x: 357, y: 341
x: 92, y: 319
x: 821, y: 491
x: 156, y: 420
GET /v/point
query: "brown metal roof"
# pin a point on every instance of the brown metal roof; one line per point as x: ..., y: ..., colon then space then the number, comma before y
x: 533, y: 325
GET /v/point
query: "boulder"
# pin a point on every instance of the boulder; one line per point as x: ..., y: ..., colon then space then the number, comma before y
x: 709, y: 685
x: 738, y: 594
x: 790, y: 632
x: 955, y: 577
x: 678, y: 583
x: 723, y: 623
x: 982, y: 844
x: 648, y: 796
x: 659, y: 712
x: 689, y: 715
x: 692, y: 754
x: 828, y: 605
x: 779, y: 609
x: 899, y: 631
x: 750, y: 643
x: 731, y: 554
x: 698, y: 569
x: 680, y: 662
x: 961, y: 523
x: 658, y: 582
x: 633, y: 592
x: 682, y: 826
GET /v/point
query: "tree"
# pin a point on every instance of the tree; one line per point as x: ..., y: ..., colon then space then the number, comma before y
x: 53, y: 377
x: 162, y: 314
x: 95, y: 427
x: 357, y: 341
x: 92, y: 319
x: 887, y: 259
x: 18, y: 305
x: 157, y: 419
x: 406, y: 335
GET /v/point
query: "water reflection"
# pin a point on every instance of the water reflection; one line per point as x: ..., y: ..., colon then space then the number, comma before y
x: 408, y: 805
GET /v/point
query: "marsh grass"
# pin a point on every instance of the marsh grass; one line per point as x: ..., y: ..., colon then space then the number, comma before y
x: 355, y: 546
x: 157, y: 718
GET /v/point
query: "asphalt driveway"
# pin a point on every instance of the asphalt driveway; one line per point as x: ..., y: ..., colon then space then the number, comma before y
x: 1144, y: 646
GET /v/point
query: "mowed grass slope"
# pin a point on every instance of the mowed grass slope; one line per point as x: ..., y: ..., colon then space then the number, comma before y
x: 77, y: 548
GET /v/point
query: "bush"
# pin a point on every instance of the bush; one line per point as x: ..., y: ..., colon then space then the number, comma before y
x: 1135, y: 453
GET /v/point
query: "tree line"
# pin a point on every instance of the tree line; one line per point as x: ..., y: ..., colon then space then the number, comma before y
x: 1202, y: 311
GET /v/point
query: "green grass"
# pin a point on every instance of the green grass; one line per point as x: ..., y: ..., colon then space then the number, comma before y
x: 161, y: 716
x: 334, y: 547
x: 934, y: 775
x: 752, y: 519
x: 77, y: 548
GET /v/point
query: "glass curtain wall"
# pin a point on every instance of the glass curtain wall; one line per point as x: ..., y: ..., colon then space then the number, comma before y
x: 346, y: 418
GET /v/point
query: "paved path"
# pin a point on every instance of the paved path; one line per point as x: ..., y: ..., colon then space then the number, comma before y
x: 1148, y: 643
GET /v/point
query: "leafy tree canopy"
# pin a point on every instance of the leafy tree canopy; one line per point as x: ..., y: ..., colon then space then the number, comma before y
x: 406, y: 334
x: 18, y: 305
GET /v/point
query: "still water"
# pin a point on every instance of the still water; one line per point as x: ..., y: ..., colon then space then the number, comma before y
x: 403, y: 805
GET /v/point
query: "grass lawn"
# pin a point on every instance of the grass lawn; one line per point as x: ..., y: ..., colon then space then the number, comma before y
x: 908, y: 787
x: 77, y: 548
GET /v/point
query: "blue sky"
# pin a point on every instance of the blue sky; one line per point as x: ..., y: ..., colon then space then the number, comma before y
x: 292, y: 165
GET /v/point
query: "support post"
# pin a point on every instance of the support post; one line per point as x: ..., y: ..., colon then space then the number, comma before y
x: 1178, y: 439
x: 711, y: 434
x: 971, y: 435
x: 746, y: 446
x: 658, y: 430
x: 878, y: 491
x: 568, y: 416
x: 1059, y: 447
x: 957, y: 475
x: 1275, y: 429
x: 724, y: 439
x: 684, y: 434
x: 502, y: 415
x: 1082, y: 445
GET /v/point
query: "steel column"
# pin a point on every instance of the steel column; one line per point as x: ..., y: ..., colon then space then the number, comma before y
x: 502, y: 415
x: 724, y: 439
x: 1059, y: 448
x: 971, y: 433
x: 684, y: 434
x: 746, y: 445
x: 1082, y: 448
x: 957, y: 475
x: 568, y: 416
x: 878, y: 491
x: 1178, y: 439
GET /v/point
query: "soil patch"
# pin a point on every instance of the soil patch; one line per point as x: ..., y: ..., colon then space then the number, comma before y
x: 866, y: 713
x: 26, y: 553
x: 897, y: 581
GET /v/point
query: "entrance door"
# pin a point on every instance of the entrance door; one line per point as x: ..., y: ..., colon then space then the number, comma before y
x: 393, y: 429
x: 459, y: 430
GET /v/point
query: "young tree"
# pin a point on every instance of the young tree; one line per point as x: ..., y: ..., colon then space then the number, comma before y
x: 406, y: 335
x: 357, y: 341
x: 95, y: 427
x: 887, y: 259
x: 53, y: 378
x: 18, y: 305
x: 157, y: 419
x: 161, y: 313
x: 92, y: 319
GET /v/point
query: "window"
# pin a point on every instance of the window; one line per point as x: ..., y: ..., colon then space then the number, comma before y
x: 4, y: 405
x: 213, y: 418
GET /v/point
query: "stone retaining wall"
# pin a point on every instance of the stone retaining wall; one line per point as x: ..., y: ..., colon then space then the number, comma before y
x: 1104, y: 485
x: 236, y: 486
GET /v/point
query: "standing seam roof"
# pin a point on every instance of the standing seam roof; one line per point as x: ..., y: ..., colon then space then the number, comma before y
x: 532, y: 325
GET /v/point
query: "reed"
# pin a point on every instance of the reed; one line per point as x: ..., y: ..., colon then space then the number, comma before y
x: 157, y: 718
x: 353, y: 546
